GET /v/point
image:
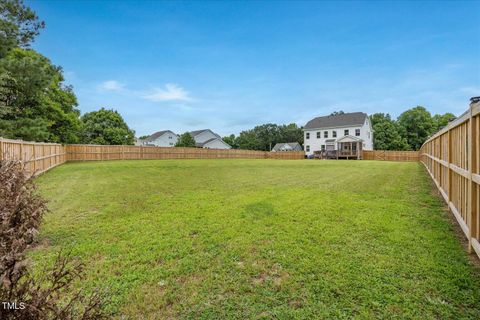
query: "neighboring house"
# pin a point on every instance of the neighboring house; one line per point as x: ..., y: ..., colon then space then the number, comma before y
x: 346, y: 133
x: 206, y: 138
x: 165, y: 138
x: 289, y: 146
x: 138, y: 142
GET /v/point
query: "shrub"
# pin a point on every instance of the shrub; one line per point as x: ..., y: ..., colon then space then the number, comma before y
x: 23, y: 296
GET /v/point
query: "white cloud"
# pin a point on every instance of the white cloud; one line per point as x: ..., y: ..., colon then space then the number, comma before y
x: 171, y: 92
x: 110, y: 85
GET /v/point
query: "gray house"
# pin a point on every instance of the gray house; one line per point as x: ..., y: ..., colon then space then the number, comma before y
x: 208, y: 139
x: 288, y: 146
x: 165, y: 138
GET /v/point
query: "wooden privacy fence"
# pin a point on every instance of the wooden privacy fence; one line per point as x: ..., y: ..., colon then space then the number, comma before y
x: 37, y: 157
x: 77, y: 152
x: 452, y: 157
x: 391, y: 155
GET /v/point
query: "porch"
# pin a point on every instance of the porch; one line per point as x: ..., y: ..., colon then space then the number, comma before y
x: 349, y: 150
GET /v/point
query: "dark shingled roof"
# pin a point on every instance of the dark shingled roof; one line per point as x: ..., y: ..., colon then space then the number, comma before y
x: 340, y: 120
x: 156, y: 135
x: 197, y: 132
x: 201, y: 144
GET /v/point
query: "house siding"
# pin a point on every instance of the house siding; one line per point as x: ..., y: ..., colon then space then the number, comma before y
x: 204, y: 136
x: 216, y: 144
x: 168, y: 139
x: 315, y: 144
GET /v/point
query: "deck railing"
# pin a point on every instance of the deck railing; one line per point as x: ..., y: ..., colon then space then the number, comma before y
x: 452, y: 158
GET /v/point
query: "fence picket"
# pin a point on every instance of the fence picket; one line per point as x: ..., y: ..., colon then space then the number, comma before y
x: 455, y: 171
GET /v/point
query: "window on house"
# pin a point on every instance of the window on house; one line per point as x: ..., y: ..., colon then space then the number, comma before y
x: 307, y: 148
x: 368, y: 134
x: 346, y: 132
x: 323, y: 147
x: 357, y: 132
x: 170, y: 137
x: 318, y: 135
x: 325, y: 134
x: 307, y: 135
x: 334, y: 134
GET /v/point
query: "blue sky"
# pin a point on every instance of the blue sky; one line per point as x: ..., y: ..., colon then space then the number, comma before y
x: 230, y: 66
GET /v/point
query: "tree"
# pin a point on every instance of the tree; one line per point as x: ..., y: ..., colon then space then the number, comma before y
x: 291, y: 133
x: 231, y: 140
x: 37, y: 105
x: 268, y: 135
x: 106, y: 127
x: 185, y: 140
x: 19, y: 25
x: 249, y: 140
x: 440, y: 121
x: 416, y: 126
x: 265, y: 136
x: 386, y: 134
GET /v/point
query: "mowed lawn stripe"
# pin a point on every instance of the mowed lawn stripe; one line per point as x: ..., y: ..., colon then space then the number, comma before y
x: 261, y: 239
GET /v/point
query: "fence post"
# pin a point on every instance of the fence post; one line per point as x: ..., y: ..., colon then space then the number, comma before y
x: 2, y: 149
x: 21, y: 152
x: 449, y: 160
x: 34, y: 159
x: 470, y: 207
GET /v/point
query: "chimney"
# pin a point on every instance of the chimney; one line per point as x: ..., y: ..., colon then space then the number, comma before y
x: 474, y: 99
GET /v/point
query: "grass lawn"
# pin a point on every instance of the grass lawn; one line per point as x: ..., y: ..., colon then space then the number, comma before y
x: 259, y: 239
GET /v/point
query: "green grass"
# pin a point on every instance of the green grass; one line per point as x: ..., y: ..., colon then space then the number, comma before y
x: 259, y: 239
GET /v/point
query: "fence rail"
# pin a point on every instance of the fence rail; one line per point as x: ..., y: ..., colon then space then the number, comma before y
x: 36, y: 157
x: 452, y: 158
x: 391, y: 155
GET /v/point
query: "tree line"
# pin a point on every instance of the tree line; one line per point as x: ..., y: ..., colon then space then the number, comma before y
x: 409, y: 131
x: 35, y: 102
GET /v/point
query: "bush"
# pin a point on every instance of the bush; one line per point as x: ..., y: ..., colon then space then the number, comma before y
x: 23, y: 296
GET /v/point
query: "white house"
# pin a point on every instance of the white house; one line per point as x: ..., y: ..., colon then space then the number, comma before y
x: 206, y: 138
x: 285, y: 147
x: 165, y: 138
x: 346, y: 133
